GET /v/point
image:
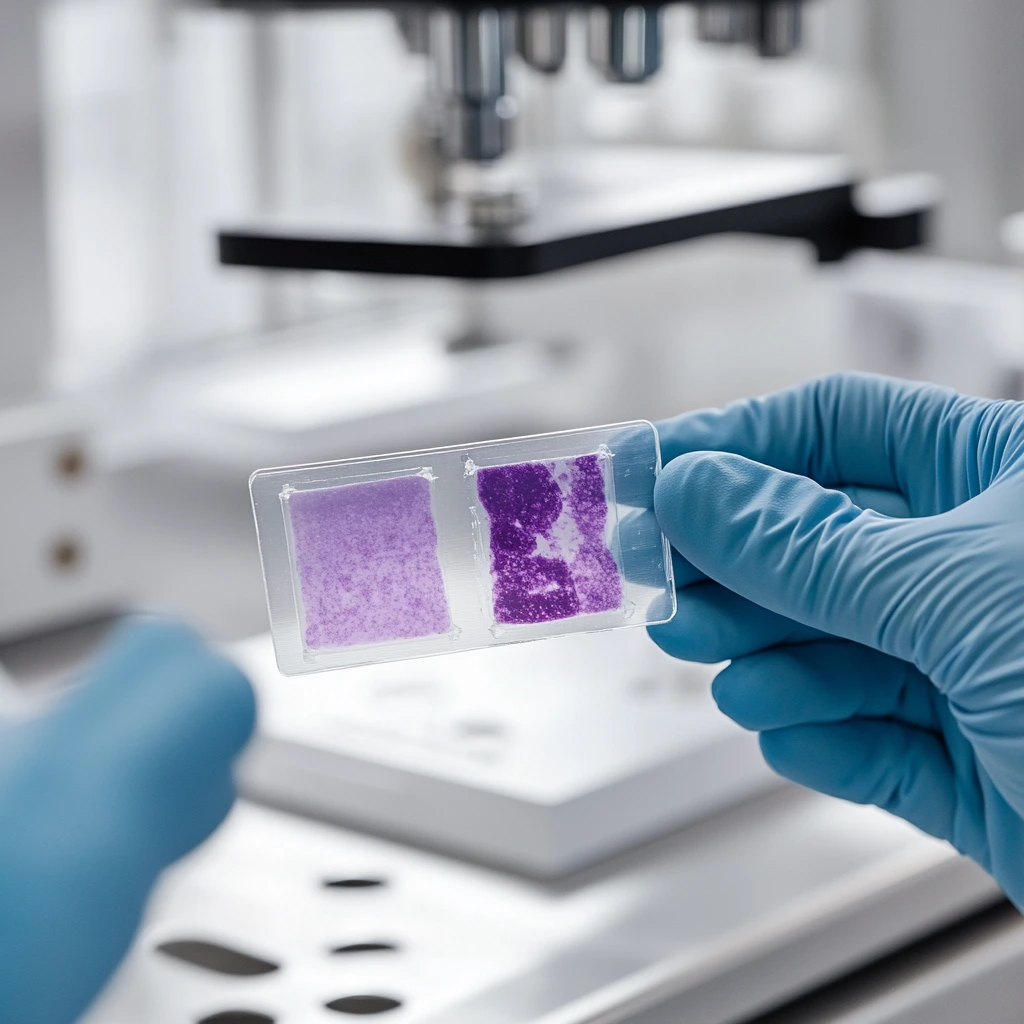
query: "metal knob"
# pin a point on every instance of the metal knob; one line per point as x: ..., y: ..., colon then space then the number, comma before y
x: 780, y: 28
x: 726, y: 22
x: 541, y: 38
x: 624, y: 43
x: 468, y: 51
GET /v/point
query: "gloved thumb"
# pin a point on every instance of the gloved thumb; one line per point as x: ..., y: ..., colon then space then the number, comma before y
x: 157, y: 722
x: 796, y: 548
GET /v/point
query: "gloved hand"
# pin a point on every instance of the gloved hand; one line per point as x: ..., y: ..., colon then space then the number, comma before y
x: 130, y: 771
x: 877, y: 635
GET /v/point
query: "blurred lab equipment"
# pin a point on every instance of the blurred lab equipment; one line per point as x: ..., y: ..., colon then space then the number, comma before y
x: 60, y: 538
x: 267, y: 233
x: 948, y: 321
x: 486, y: 215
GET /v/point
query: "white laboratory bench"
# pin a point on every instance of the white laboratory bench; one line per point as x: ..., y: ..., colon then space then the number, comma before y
x: 529, y: 878
x: 717, y: 923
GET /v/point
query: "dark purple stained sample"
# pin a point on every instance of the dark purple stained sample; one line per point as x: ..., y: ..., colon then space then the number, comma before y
x: 367, y: 562
x: 594, y: 571
x: 549, y: 559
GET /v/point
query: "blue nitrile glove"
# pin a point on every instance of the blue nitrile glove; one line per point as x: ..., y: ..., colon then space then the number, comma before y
x: 880, y: 656
x: 127, y: 773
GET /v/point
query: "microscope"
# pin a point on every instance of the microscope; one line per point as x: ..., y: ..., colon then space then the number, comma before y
x: 483, y: 216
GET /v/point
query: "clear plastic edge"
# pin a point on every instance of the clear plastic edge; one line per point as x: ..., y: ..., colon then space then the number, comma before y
x: 450, y: 448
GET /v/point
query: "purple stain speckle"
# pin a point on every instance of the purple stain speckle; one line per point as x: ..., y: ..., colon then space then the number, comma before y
x: 367, y: 562
x: 549, y: 559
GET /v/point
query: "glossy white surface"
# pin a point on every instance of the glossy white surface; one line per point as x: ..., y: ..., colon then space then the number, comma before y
x: 694, y: 920
x: 540, y: 757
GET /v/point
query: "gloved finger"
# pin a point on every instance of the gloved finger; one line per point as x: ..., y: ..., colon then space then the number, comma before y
x: 847, y: 429
x: 163, y: 717
x: 804, y: 552
x: 877, y: 499
x: 713, y: 624
x: 685, y: 572
x: 888, y: 503
x: 640, y: 548
x: 635, y: 454
x: 128, y: 772
x: 133, y: 641
x: 826, y: 681
x: 903, y: 770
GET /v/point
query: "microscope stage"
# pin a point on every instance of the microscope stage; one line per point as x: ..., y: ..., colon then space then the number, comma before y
x: 589, y: 204
x: 538, y: 757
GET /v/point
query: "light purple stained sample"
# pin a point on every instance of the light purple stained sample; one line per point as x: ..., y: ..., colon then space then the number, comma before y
x: 549, y: 559
x: 367, y: 562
